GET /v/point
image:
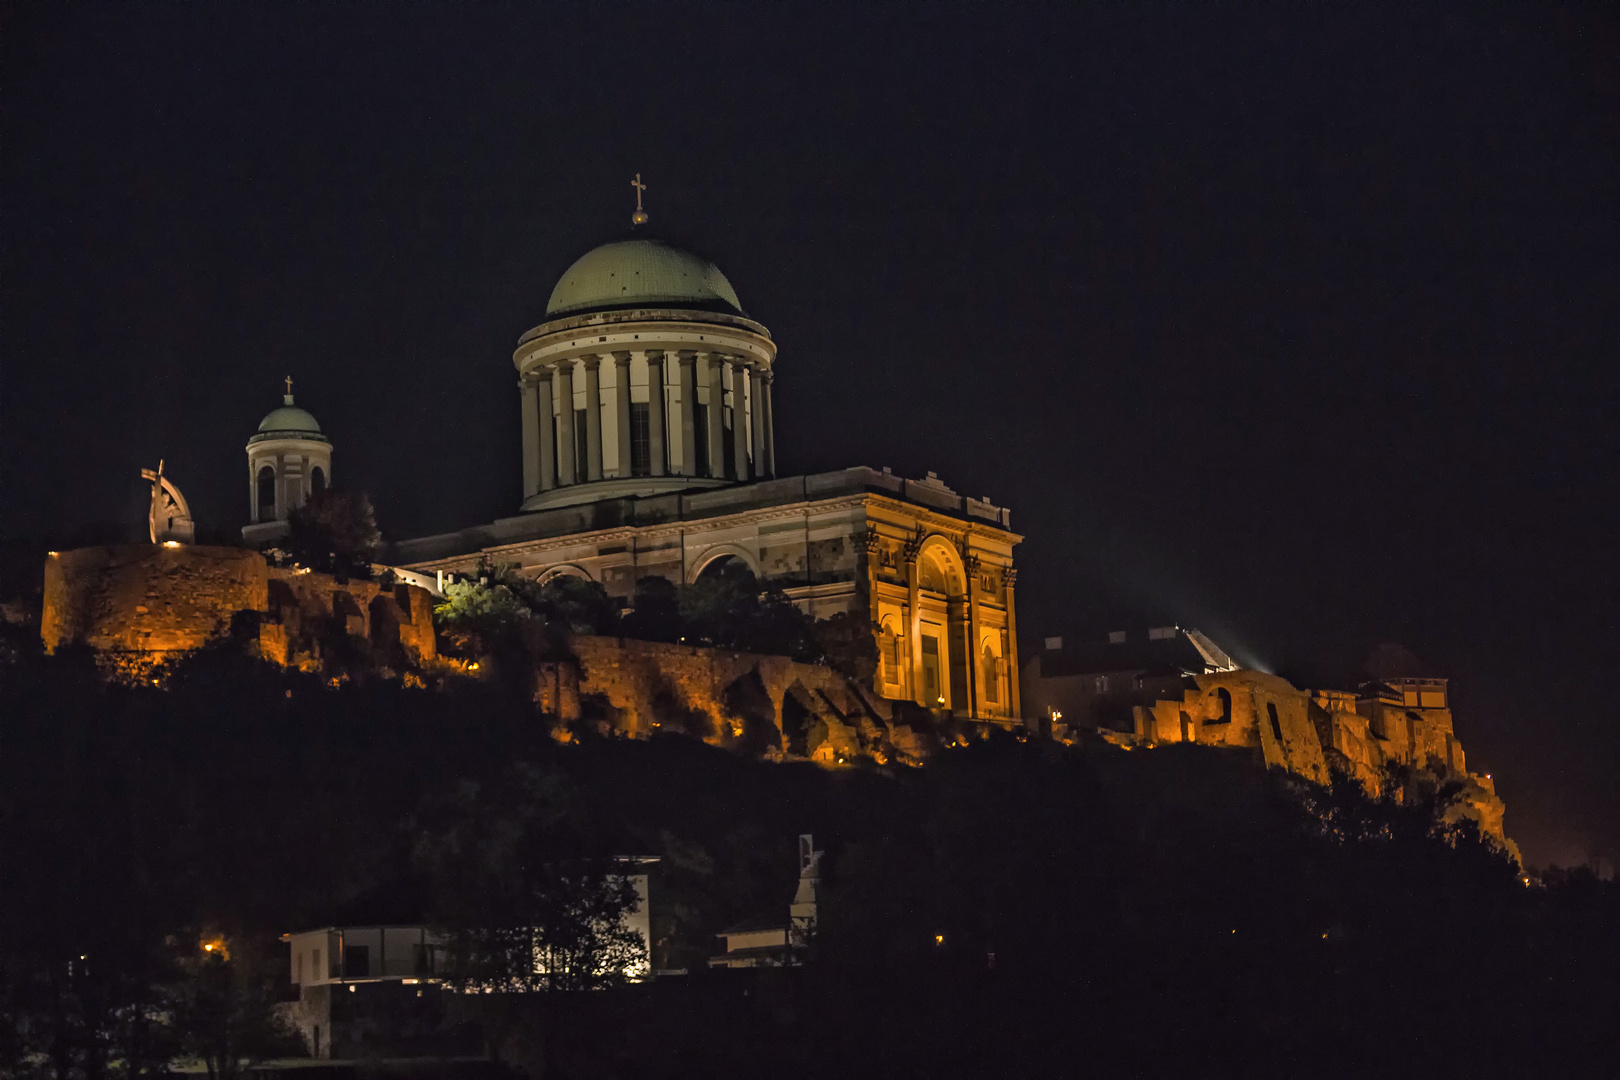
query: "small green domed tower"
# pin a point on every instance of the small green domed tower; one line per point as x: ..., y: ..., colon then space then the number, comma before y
x: 288, y: 461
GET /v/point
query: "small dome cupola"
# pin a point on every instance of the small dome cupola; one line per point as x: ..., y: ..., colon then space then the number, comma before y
x: 289, y: 460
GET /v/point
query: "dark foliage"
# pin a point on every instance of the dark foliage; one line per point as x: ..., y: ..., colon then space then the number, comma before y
x: 335, y: 532
x: 1014, y: 908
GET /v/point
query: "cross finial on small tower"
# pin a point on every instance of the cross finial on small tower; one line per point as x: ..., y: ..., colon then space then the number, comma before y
x: 640, y: 216
x: 288, y: 397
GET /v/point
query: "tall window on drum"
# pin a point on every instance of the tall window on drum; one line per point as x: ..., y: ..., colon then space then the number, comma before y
x: 640, y: 439
x: 267, y: 494
x: 700, y: 425
x: 582, y: 443
x: 991, y: 676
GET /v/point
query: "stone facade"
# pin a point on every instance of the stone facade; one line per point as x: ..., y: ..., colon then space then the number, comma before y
x: 931, y: 569
x: 155, y: 603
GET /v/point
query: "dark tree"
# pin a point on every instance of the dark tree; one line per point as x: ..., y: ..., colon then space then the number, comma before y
x: 335, y: 532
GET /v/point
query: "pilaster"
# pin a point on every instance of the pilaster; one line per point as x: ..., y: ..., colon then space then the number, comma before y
x: 1009, y: 576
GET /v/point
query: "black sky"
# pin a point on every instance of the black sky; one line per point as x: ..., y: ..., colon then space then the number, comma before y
x: 1295, y: 323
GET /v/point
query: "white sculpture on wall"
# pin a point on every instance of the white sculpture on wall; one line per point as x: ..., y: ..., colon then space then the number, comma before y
x: 169, y: 519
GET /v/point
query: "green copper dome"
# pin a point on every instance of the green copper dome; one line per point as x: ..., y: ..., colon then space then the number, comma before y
x: 289, y: 420
x: 641, y: 273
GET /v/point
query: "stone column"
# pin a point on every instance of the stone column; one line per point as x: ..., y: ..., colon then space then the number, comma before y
x: 655, y: 408
x: 565, y: 424
x: 978, y: 700
x: 717, y: 432
x: 531, y: 435
x: 770, y: 427
x: 757, y: 412
x: 1008, y: 577
x: 914, y: 620
x: 621, y: 405
x: 739, y: 417
x: 548, y: 430
x: 688, y: 370
x: 593, y: 416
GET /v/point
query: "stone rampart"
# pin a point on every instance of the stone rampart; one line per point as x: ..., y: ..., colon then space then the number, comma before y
x: 155, y: 602
x: 773, y: 704
x: 148, y: 598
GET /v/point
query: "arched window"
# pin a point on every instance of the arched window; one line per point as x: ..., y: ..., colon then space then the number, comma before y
x: 267, y: 494
x: 992, y: 676
x: 890, y: 652
x: 317, y: 480
x: 1276, y: 724
x: 1225, y: 698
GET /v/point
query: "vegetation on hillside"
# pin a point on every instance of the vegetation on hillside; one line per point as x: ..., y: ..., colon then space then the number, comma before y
x: 499, y: 612
x: 1014, y: 907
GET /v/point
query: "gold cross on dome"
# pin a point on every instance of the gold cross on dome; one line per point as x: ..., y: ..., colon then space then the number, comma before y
x: 640, y: 216
x: 289, y: 384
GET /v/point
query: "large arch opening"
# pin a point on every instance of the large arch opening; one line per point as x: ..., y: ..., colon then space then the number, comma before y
x: 722, y: 561
x: 945, y: 650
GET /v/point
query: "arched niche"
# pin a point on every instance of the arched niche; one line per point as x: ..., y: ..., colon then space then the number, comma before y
x: 720, y: 558
x: 563, y: 570
x: 939, y: 568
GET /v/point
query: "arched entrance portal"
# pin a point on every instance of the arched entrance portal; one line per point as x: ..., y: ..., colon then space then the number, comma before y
x: 944, y: 652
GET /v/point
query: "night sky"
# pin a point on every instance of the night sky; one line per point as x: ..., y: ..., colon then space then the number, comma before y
x: 1297, y: 325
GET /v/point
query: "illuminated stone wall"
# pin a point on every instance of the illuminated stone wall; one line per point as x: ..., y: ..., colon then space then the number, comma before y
x: 156, y: 603
x: 148, y: 598
x: 770, y: 704
x: 1364, y: 736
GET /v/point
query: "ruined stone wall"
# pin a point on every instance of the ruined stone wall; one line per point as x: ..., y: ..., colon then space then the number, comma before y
x: 1365, y: 736
x: 772, y: 704
x: 1265, y: 712
x: 148, y: 598
x: 161, y: 602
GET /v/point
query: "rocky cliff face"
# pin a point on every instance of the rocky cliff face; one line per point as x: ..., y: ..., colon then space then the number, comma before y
x: 769, y: 705
x: 1312, y: 733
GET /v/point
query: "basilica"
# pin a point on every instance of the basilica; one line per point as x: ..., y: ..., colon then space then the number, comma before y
x: 649, y: 448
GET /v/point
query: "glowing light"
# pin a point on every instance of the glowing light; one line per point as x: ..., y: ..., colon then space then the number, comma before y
x: 351, y: 988
x: 473, y: 666
x: 54, y: 554
x: 939, y: 939
x: 171, y: 543
x: 409, y: 982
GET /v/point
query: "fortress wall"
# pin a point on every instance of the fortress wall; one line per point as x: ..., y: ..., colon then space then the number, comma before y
x: 148, y: 598
x: 651, y: 684
x: 166, y: 601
